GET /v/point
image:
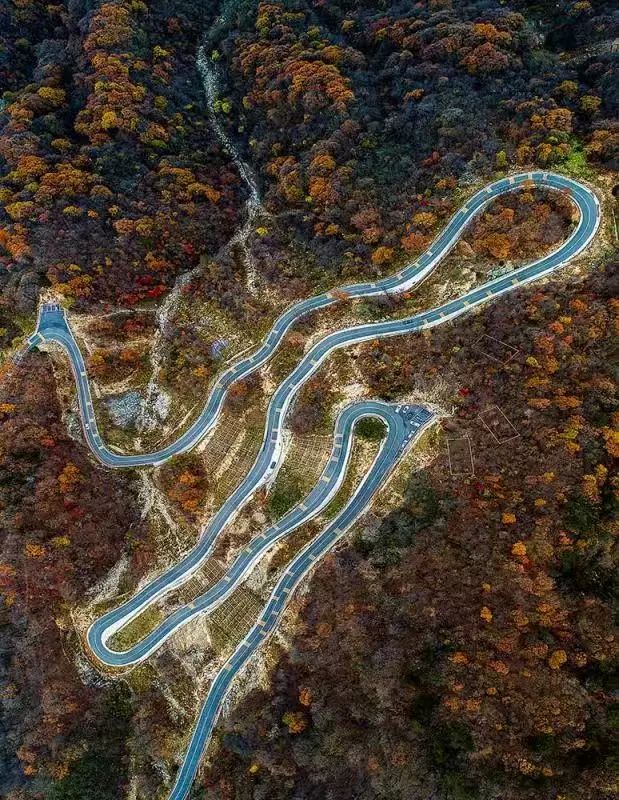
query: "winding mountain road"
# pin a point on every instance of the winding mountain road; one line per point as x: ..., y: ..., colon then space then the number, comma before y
x: 404, y: 423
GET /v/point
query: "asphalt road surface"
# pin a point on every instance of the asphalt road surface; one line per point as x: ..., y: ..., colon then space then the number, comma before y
x: 403, y: 424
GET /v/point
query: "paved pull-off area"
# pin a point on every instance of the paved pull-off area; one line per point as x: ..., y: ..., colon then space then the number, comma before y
x: 404, y: 424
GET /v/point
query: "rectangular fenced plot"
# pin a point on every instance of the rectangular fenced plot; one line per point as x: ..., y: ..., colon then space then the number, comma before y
x: 460, y: 455
x: 494, y: 349
x: 498, y: 425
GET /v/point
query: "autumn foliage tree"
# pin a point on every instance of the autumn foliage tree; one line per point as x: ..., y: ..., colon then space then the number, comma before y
x: 105, y: 159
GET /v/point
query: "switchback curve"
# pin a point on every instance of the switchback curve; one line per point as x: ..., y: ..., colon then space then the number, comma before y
x: 53, y: 326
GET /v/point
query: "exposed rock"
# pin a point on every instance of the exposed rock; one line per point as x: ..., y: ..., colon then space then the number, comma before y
x: 124, y: 409
x: 464, y: 250
x: 27, y: 292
